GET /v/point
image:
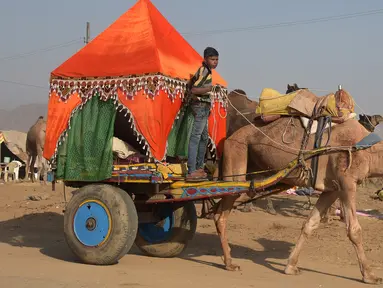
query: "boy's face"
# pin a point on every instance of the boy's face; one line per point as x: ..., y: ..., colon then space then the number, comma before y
x: 212, y: 62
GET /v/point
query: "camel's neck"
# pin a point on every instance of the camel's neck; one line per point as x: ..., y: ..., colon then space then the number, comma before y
x: 376, y: 160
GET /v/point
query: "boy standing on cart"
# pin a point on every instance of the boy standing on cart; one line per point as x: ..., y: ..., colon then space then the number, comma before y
x: 200, y: 104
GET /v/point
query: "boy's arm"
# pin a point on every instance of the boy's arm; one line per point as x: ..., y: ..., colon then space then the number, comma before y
x: 201, y: 90
x: 197, y: 88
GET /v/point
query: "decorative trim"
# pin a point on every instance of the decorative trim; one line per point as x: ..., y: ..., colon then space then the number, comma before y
x: 192, y: 192
x: 107, y: 88
x: 150, y: 84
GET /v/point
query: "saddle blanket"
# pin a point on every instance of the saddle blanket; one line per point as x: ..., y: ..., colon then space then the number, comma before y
x: 305, y: 122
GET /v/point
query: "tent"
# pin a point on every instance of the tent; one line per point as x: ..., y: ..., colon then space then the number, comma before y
x: 12, y: 145
x: 138, y: 66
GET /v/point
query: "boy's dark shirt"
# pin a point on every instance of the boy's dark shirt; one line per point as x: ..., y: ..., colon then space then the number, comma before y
x: 202, y: 78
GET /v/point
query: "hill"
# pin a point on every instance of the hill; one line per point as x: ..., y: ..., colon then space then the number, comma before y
x: 22, y: 117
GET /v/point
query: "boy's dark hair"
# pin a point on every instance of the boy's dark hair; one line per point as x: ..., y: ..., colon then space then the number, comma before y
x: 210, y: 52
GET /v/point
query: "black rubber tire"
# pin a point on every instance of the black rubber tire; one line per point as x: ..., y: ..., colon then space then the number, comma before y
x: 124, y: 224
x: 185, y: 225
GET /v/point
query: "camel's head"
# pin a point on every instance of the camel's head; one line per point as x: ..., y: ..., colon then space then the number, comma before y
x: 370, y: 121
x: 40, y: 124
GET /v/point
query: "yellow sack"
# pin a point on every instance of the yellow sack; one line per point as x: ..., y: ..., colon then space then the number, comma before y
x: 271, y: 102
x: 330, y: 109
x: 303, y: 103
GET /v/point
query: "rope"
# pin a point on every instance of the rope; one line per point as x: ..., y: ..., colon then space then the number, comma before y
x: 311, y: 89
x: 281, y: 96
x: 291, y: 122
x: 214, y: 90
x: 348, y: 148
x: 272, y: 140
x: 349, y: 160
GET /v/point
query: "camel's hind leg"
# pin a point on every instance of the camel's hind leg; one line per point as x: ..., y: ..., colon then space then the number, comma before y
x: 43, y: 168
x: 270, y: 207
x: 354, y: 231
x: 27, y: 167
x: 324, y: 202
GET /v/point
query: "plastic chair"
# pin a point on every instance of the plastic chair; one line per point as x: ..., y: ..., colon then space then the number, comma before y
x: 12, y: 169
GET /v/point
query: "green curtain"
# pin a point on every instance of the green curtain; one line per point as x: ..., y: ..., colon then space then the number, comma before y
x: 86, y: 154
x: 178, y: 140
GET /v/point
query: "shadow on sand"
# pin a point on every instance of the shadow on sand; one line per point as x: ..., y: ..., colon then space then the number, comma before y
x: 288, y: 207
x: 45, y: 232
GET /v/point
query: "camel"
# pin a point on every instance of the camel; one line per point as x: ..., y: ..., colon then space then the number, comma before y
x: 369, y: 122
x: 235, y: 121
x: 339, y: 172
x: 35, y: 147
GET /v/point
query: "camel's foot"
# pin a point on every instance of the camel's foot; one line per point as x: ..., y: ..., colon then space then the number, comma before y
x: 327, y: 220
x: 246, y: 208
x: 209, y: 216
x: 372, y: 279
x: 292, y: 270
x: 271, y: 210
x: 232, y: 267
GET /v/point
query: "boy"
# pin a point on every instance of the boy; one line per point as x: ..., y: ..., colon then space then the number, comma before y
x: 200, y: 104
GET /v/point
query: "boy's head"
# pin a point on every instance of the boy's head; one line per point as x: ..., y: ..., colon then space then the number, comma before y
x: 211, y: 57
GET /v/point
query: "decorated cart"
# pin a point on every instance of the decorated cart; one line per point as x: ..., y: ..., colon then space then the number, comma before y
x: 118, y: 129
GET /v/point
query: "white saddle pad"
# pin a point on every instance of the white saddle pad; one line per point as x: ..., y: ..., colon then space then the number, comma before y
x: 305, y: 122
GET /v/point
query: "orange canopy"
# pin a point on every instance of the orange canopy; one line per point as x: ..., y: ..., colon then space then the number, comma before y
x: 141, y: 41
x: 142, y: 63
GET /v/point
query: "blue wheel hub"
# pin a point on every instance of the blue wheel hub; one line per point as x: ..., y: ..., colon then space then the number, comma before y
x: 161, y: 231
x: 92, y: 223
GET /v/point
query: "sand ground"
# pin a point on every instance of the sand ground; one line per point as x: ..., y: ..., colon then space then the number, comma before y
x: 34, y: 253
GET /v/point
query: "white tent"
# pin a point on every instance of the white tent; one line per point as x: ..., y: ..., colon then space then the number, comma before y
x: 15, y: 145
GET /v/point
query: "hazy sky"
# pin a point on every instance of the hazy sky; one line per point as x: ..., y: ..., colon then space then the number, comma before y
x: 319, y: 55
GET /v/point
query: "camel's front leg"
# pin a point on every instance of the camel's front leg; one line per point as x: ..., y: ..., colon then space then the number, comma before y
x: 324, y: 202
x: 234, y: 169
x: 220, y: 219
x: 354, y: 232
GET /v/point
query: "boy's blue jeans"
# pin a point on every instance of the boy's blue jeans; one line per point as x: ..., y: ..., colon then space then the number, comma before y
x: 199, y: 136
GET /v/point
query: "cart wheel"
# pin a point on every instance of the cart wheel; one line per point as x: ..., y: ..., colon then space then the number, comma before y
x: 100, y: 224
x: 170, y: 236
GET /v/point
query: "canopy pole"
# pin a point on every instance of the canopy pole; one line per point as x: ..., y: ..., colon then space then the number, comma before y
x: 1, y: 144
x: 87, y: 33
